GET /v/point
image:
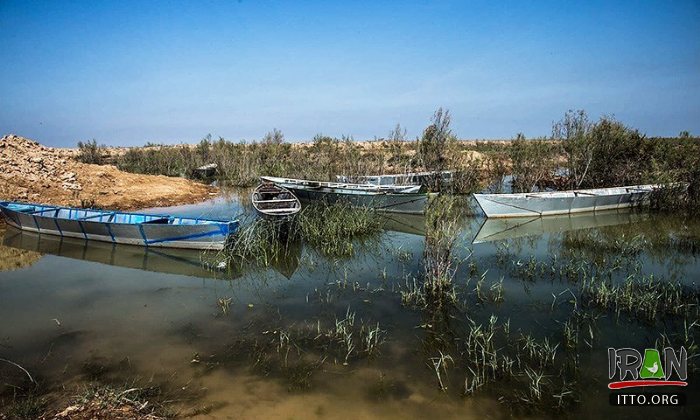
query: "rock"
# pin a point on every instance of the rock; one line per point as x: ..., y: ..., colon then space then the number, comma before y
x: 68, y: 411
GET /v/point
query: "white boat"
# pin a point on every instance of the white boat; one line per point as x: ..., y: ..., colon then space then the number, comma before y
x: 274, y: 201
x: 384, y: 199
x: 563, y: 202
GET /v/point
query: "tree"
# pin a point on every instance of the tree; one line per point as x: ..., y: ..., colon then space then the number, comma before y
x: 274, y: 137
x: 573, y: 130
x: 434, y: 141
x: 532, y: 162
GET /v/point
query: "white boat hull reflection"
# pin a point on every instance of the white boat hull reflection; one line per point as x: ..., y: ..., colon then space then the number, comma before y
x: 501, y: 229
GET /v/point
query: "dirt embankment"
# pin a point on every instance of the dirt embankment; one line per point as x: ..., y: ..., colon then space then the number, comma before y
x: 35, y: 173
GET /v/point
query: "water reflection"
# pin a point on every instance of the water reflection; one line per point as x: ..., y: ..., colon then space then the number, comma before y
x: 500, y: 229
x: 185, y: 262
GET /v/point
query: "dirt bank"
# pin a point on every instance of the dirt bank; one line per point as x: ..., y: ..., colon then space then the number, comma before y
x: 32, y: 172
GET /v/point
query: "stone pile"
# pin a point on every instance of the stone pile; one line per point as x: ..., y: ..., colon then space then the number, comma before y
x: 26, y: 167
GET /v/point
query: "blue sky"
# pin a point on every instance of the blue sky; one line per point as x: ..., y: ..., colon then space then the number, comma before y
x: 129, y: 72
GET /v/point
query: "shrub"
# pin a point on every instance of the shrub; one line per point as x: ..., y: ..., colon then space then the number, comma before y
x: 90, y: 152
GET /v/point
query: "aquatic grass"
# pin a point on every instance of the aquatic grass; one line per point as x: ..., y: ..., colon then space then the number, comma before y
x: 294, y: 352
x: 260, y: 241
x: 644, y: 296
x: 224, y: 304
x: 333, y: 229
x: 439, y: 264
x: 439, y: 364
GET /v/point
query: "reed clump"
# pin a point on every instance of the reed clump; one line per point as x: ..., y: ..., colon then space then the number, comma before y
x: 334, y: 229
x: 646, y: 297
x: 261, y: 241
x: 294, y: 352
x: 441, y: 232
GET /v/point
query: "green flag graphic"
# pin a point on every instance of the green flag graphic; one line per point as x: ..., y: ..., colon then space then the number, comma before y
x: 651, y: 366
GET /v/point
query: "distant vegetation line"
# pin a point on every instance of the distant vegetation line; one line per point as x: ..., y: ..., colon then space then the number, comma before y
x: 580, y: 153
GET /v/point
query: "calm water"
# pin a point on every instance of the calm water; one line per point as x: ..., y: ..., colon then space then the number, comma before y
x: 73, y: 314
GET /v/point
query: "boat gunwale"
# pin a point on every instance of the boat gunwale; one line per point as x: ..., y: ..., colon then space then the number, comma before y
x: 380, y: 189
x: 630, y: 189
x: 281, y: 212
x: 4, y: 206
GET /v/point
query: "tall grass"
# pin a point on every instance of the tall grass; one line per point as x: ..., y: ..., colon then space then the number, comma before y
x: 332, y: 229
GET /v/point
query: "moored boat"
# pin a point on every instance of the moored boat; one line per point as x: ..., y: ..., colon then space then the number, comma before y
x: 384, y: 199
x: 274, y: 201
x: 119, y: 227
x: 401, y: 180
x: 563, y: 202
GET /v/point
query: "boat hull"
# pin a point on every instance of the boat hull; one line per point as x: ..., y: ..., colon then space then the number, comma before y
x: 390, y: 200
x: 405, y: 203
x: 126, y: 228
x: 564, y: 202
x: 273, y: 202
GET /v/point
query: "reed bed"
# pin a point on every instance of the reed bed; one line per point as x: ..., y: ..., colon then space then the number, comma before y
x: 334, y: 230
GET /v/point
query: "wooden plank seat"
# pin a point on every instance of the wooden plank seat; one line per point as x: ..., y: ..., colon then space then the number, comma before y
x: 283, y: 200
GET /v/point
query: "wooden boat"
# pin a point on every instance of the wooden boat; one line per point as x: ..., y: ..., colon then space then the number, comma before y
x: 119, y: 227
x: 205, y: 171
x: 563, y: 202
x: 274, y: 201
x: 385, y: 199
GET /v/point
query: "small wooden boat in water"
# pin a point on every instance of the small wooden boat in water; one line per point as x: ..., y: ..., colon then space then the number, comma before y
x: 563, y: 202
x: 380, y: 198
x: 274, y: 201
x: 119, y: 227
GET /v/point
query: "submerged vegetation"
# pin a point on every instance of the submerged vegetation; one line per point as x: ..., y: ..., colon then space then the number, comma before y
x: 334, y: 230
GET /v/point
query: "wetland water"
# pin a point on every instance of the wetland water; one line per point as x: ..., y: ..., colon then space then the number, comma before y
x: 314, y: 336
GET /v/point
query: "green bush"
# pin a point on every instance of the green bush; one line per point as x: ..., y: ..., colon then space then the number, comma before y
x: 90, y: 152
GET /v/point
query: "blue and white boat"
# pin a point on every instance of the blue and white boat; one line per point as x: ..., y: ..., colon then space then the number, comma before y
x: 119, y: 227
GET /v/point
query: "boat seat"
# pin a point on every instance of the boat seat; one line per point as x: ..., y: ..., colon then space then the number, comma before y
x: 96, y: 216
x: 37, y: 211
x: 284, y: 210
x: 161, y: 221
x: 284, y: 200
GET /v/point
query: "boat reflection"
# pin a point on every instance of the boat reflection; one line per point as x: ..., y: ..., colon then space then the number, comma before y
x: 413, y: 224
x: 185, y: 262
x: 500, y: 229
